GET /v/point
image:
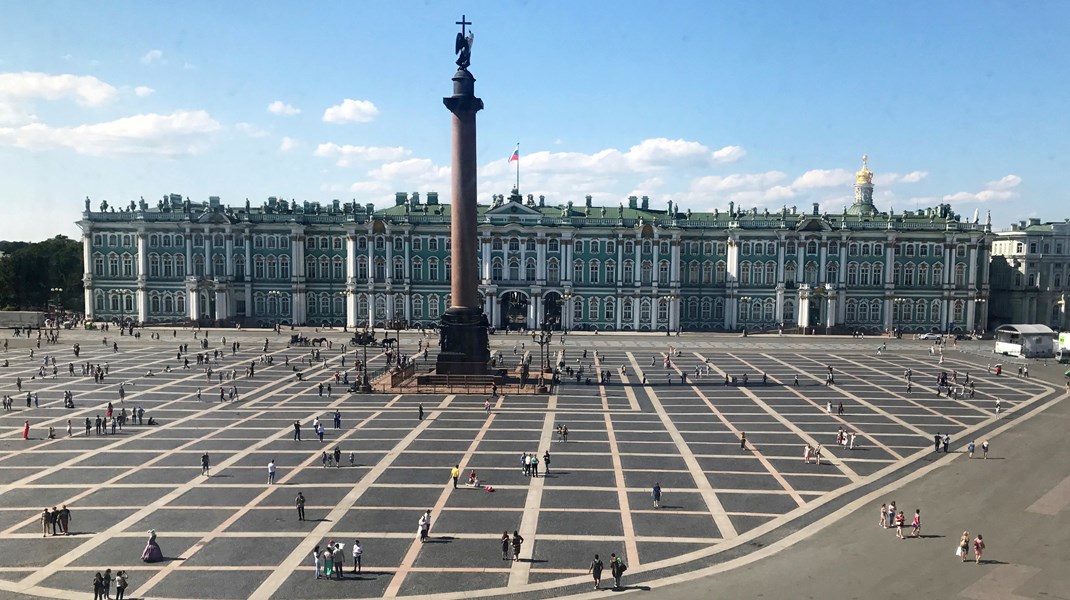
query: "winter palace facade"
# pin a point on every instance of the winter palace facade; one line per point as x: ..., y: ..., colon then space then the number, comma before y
x: 626, y: 267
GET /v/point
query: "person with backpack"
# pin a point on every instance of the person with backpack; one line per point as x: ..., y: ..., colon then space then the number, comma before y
x: 617, y: 567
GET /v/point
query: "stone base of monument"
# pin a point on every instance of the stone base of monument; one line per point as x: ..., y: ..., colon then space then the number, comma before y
x: 464, y: 343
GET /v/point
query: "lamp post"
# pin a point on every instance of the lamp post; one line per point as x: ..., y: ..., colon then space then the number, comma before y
x: 898, y: 314
x: 58, y: 302
x: 566, y: 313
x: 543, y: 337
x: 397, y: 325
x: 276, y: 294
x: 745, y: 300
x: 344, y: 295
x: 980, y: 309
x: 123, y: 293
x: 668, y: 298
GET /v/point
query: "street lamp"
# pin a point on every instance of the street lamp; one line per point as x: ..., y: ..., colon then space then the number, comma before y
x: 566, y: 315
x: 898, y: 313
x: 745, y: 300
x: 397, y: 325
x: 668, y: 298
x: 58, y: 301
x: 363, y: 339
x: 543, y: 337
x: 275, y: 294
x: 123, y: 293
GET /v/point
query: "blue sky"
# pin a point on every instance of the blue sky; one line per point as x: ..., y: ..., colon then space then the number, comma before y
x: 704, y: 103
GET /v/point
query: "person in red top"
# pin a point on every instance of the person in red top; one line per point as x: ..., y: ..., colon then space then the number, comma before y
x: 978, y: 548
x: 915, y: 526
x: 900, y: 520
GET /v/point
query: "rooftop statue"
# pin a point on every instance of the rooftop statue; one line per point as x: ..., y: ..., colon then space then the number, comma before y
x: 463, y: 45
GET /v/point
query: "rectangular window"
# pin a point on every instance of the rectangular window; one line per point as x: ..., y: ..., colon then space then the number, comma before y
x: 417, y: 243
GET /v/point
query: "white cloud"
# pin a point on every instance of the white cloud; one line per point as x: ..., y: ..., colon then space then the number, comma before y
x: 288, y: 143
x: 413, y: 169
x: 189, y: 67
x: 729, y: 154
x: 153, y: 57
x: 914, y: 176
x: 823, y: 178
x: 1000, y: 189
x: 84, y: 89
x: 250, y: 130
x: 176, y: 134
x: 279, y: 107
x: 144, y: 91
x: 347, y: 155
x: 67, y: 57
x: 881, y: 179
x: 351, y: 111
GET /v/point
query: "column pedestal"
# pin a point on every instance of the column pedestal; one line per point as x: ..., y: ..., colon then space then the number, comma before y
x: 463, y: 342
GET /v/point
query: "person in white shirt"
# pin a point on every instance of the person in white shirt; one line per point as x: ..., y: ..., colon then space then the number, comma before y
x: 357, y: 552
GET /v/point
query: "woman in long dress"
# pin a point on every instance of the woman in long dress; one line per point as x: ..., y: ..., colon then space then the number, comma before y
x: 152, y: 551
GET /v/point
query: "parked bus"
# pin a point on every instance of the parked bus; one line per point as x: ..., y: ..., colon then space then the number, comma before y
x: 1026, y: 341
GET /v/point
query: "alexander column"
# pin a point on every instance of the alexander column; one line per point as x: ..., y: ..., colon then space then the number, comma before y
x: 463, y: 330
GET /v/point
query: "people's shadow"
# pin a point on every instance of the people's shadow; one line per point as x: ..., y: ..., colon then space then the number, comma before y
x: 625, y: 588
x: 440, y: 540
x: 929, y: 536
x: 987, y: 561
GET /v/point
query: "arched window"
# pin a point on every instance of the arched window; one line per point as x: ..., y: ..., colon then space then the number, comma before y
x: 592, y: 308
x: 832, y: 272
x: 553, y: 272
x: 744, y: 273
x: 721, y: 270
x: 529, y: 270
x: 865, y: 249
x: 691, y: 308
x: 514, y: 245
x: 908, y: 311
x: 577, y: 309
x: 878, y: 274
x: 154, y: 265
x: 852, y: 274
x: 553, y: 245
x: 960, y: 274
x: 198, y: 265
x: 958, y: 311
x: 531, y: 244
x: 743, y: 312
x: 417, y: 307
x: 789, y: 311
x: 811, y: 273
x: 852, y: 311
x: 770, y: 273
x: 768, y: 310
x: 496, y: 243
x: 921, y: 307
x: 272, y: 267
x: 168, y: 303
x: 663, y: 272
x: 834, y: 248
x: 128, y: 265
x: 514, y: 269
x: 644, y: 311
x: 707, y: 309
x: 284, y: 266
x: 611, y: 272
x: 663, y: 312
x: 258, y: 267
x: 745, y: 248
x: 908, y: 275
x: 432, y: 270
x: 577, y: 271
x: 609, y: 309
x: 239, y: 267
x: 592, y: 272
x: 180, y: 302
x: 863, y: 274
x: 362, y: 268
x: 113, y: 265
x: 692, y: 272
x: 310, y: 267
x: 789, y: 274
x: 923, y: 275
x: 380, y: 269
x: 647, y: 272
x: 417, y: 269
x: 628, y: 272
x: 626, y: 310
x: 938, y: 274
x: 399, y: 268
x: 325, y: 303
x: 325, y: 267
x: 852, y: 249
x: 811, y: 247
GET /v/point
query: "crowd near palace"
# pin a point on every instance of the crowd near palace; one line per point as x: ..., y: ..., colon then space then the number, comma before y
x: 572, y: 266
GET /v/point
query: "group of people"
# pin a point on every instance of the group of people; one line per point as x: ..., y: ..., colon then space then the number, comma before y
x: 529, y: 463
x: 890, y: 518
x: 56, y: 521
x: 102, y: 583
x: 330, y: 561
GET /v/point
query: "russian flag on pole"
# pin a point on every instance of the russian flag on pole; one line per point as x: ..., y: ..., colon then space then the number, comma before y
x: 516, y: 154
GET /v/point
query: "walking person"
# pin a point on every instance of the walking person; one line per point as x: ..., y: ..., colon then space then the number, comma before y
x: 970, y: 448
x: 46, y: 522
x: 984, y: 449
x: 884, y: 516
x: 425, y: 526
x: 900, y: 520
x: 64, y: 520
x: 596, y: 571
x: 300, y: 503
x: 656, y: 493
x: 271, y: 472
x: 915, y: 525
x: 617, y: 568
x: 455, y: 472
x: 205, y: 464
x: 546, y: 463
x: 978, y: 548
x: 964, y: 545
x: 743, y: 440
x: 421, y: 412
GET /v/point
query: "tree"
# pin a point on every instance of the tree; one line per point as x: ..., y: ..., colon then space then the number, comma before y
x: 29, y: 271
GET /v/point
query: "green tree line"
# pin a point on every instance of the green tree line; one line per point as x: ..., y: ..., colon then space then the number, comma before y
x: 29, y: 271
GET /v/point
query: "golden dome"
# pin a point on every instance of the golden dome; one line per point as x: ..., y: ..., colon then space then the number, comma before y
x: 864, y: 175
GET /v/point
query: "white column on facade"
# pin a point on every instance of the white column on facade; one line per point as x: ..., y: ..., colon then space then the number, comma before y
x: 142, y: 296
x: 620, y: 270
x: 780, y: 266
x: 830, y: 313
x: 540, y: 311
x: 486, y: 260
x: 540, y: 259
x: 636, y: 310
x: 371, y: 310
x: 228, y: 242
x: 655, y: 270
x: 618, y: 309
x: 389, y: 264
x: 209, y: 272
x: 566, y: 261
x: 408, y: 257
x: 352, y: 318
x: 804, y: 306
x: 298, y: 300
x: 87, y: 272
x: 674, y: 265
x: 523, y: 260
x: 888, y: 316
x: 972, y: 270
x: 221, y: 312
x: 800, y: 263
x: 779, y: 303
x: 655, y: 305
x: 390, y: 306
x: 189, y: 253
x: 636, y: 277
x: 822, y: 253
x: 971, y: 307
x: 193, y: 302
x: 732, y: 266
x: 889, y: 264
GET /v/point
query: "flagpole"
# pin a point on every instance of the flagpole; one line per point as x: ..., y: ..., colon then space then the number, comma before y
x: 518, y: 167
